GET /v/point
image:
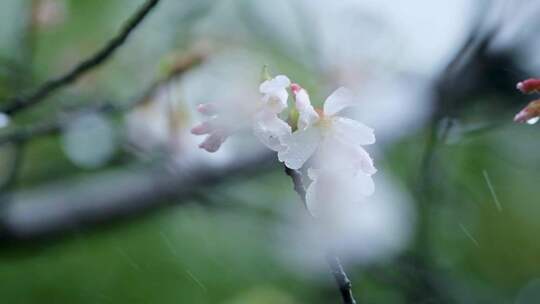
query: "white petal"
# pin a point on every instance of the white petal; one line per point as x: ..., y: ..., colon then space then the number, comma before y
x: 300, y: 146
x: 275, y: 92
x: 338, y: 100
x: 365, y: 163
x: 332, y: 187
x: 337, y: 155
x: 361, y: 184
x: 352, y: 132
x: 313, y: 191
x: 271, y: 130
x: 277, y: 101
x: 277, y: 83
x: 308, y: 115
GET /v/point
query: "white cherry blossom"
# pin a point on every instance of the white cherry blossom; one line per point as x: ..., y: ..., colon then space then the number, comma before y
x: 326, y: 130
x: 266, y: 124
x: 340, y: 169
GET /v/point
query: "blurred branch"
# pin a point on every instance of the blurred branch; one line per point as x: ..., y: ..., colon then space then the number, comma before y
x: 340, y: 276
x: 448, y: 91
x: 77, y: 203
x: 13, y: 170
x: 23, y: 134
x: 15, y: 104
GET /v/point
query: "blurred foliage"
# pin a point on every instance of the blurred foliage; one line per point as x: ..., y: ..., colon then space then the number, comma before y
x: 224, y: 253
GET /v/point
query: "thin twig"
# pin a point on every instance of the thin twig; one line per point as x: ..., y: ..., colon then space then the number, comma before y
x: 340, y: 276
x: 15, y: 104
x: 22, y: 134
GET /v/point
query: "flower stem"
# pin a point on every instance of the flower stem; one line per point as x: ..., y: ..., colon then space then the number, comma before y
x: 340, y: 276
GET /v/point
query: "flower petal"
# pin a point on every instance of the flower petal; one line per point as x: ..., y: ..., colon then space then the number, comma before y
x: 362, y: 184
x: 208, y: 109
x: 337, y: 155
x: 277, y: 83
x: 313, y: 193
x: 271, y: 130
x: 308, y: 115
x: 338, y: 100
x: 275, y: 92
x: 277, y: 101
x: 213, y: 141
x: 300, y: 146
x: 331, y: 186
x: 352, y: 132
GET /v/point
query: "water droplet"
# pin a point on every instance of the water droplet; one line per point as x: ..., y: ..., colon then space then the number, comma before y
x: 532, y: 121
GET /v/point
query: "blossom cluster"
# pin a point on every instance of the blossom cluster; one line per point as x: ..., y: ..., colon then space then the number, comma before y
x: 319, y: 142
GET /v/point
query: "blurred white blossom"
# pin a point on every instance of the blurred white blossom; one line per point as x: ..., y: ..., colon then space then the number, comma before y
x: 267, y: 126
x: 89, y: 141
x: 362, y: 230
x: 161, y: 124
x: 4, y: 120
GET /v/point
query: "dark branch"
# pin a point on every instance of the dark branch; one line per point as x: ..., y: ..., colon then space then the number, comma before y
x: 344, y: 284
x: 25, y: 133
x: 15, y: 104
x: 340, y: 276
x: 61, y: 207
x: 297, y: 184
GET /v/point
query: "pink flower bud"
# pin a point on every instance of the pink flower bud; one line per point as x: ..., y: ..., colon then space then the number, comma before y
x: 295, y: 88
x: 202, y: 128
x: 212, y: 142
x: 532, y: 110
x: 528, y: 86
x: 207, y: 109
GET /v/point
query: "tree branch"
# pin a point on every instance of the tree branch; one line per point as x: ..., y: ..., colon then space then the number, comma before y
x: 15, y: 104
x: 340, y: 276
x: 22, y: 134
x: 65, y: 206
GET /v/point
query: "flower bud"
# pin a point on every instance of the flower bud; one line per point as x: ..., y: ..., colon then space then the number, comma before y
x: 213, y: 141
x: 529, y: 86
x: 530, y: 113
x: 295, y: 88
x: 202, y: 128
x: 207, y: 109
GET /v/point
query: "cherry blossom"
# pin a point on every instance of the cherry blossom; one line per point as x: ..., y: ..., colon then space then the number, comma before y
x: 267, y: 126
x: 214, y: 126
x: 339, y: 167
x: 325, y: 130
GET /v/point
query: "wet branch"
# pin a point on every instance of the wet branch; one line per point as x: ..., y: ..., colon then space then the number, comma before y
x: 18, y: 103
x: 340, y: 276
